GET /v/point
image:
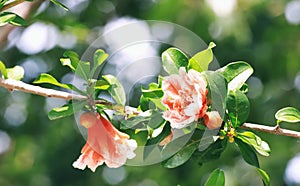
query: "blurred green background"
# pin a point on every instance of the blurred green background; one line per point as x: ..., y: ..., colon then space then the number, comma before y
x: 35, y: 151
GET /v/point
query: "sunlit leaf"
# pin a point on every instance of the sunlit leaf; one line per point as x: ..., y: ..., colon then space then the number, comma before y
x: 47, y: 78
x: 71, y: 60
x: 173, y: 59
x: 202, y: 59
x: 183, y: 155
x: 238, y: 107
x: 264, y: 176
x: 16, y: 73
x: 99, y: 57
x: 247, y: 152
x: 288, y: 114
x: 101, y: 85
x: 116, y: 89
x: 60, y: 4
x: 236, y: 74
x: 154, y: 93
x: 11, y: 18
x: 259, y: 145
x: 216, y: 178
x: 3, y: 69
x: 66, y: 110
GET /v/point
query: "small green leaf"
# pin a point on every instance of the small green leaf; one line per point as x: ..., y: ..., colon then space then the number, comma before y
x: 264, y: 176
x: 60, y: 4
x: 288, y: 114
x: 238, y: 107
x: 236, y: 74
x: 183, y: 155
x: 116, y: 89
x: 216, y: 178
x: 144, y: 103
x: 154, y: 93
x: 202, y: 59
x: 132, y: 122
x: 16, y: 73
x: 99, y: 57
x: 3, y: 70
x: 247, y: 152
x: 66, y: 110
x: 71, y: 60
x: 101, y: 85
x: 11, y: 18
x: 83, y: 70
x: 250, y: 138
x: 173, y: 59
x: 47, y: 78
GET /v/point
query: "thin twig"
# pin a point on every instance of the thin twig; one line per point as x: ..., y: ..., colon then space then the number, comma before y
x: 46, y: 92
x: 273, y: 130
x: 12, y: 4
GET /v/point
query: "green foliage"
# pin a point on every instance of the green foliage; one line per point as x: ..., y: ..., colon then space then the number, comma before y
x: 173, y: 59
x: 238, y: 107
x: 3, y: 70
x: 216, y: 178
x: 15, y: 73
x: 236, y: 74
x: 66, y: 110
x: 11, y: 18
x: 116, y: 89
x: 60, y: 4
x: 201, y: 60
x: 288, y: 114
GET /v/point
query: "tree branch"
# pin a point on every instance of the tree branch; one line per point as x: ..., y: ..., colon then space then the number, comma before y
x: 11, y: 85
x: 46, y: 92
x: 12, y: 4
x: 273, y: 130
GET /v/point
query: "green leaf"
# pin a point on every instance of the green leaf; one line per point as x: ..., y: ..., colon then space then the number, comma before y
x: 132, y: 122
x: 16, y: 73
x: 154, y: 93
x: 99, y: 57
x: 101, y: 85
x: 183, y: 155
x: 83, y: 70
x: 251, y: 139
x: 173, y: 59
x: 60, y: 4
x: 288, y: 114
x: 248, y: 152
x: 116, y: 89
x: 144, y: 103
x: 238, y: 107
x: 11, y: 18
x: 152, y: 143
x: 3, y: 70
x: 65, y: 110
x: 236, y: 74
x: 217, y: 87
x: 47, y: 78
x: 212, y: 152
x: 216, y: 178
x: 71, y: 60
x: 156, y: 119
x: 264, y: 176
x: 201, y: 60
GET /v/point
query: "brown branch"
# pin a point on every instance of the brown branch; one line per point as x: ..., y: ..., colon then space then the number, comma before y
x: 11, y: 85
x: 46, y: 92
x: 273, y: 130
x: 12, y: 4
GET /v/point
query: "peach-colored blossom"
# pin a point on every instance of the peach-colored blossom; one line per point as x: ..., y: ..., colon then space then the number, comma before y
x: 104, y: 144
x: 185, y: 97
x: 213, y: 120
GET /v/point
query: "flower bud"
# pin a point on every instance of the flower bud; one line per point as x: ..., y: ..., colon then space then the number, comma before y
x: 88, y: 119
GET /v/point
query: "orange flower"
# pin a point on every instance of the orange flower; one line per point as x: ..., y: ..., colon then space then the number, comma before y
x: 104, y: 144
x: 185, y: 97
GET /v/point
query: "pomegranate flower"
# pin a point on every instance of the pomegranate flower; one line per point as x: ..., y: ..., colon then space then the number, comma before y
x: 185, y: 97
x: 104, y: 144
x: 213, y: 120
